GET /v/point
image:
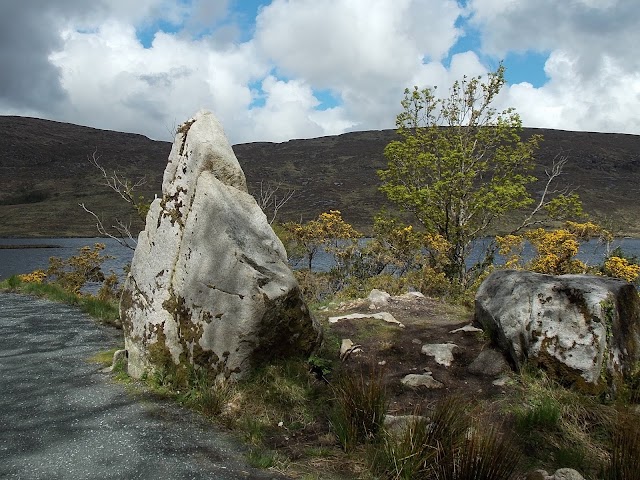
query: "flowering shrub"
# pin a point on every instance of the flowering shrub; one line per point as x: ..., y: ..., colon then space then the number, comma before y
x: 621, y: 268
x: 555, y: 249
x: 73, y: 273
x: 37, y: 276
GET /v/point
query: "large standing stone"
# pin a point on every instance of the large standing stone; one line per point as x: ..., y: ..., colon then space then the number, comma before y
x: 584, y: 330
x: 209, y: 282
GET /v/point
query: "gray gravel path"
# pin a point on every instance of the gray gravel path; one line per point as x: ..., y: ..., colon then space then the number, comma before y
x: 60, y: 418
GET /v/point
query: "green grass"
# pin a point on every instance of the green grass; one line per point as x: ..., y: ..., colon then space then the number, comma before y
x: 104, y: 357
x: 541, y: 414
x: 105, y: 311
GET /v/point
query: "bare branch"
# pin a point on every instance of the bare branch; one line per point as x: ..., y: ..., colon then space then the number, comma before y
x: 552, y: 174
x: 270, y: 202
x: 124, y: 238
x: 122, y: 186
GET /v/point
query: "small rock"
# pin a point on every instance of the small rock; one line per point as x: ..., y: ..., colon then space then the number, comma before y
x: 411, y: 296
x: 560, y: 474
x: 118, y: 356
x: 538, y: 475
x: 378, y: 298
x: 442, y: 352
x: 467, y: 328
x: 415, y: 380
x: 347, y: 347
x: 397, y: 424
x: 500, y: 382
x: 567, y: 474
x: 490, y: 363
x: 417, y: 341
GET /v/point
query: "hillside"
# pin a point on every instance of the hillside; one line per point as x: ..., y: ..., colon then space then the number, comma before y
x: 45, y: 174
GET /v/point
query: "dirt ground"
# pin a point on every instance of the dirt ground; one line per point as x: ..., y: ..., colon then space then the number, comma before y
x: 398, y: 350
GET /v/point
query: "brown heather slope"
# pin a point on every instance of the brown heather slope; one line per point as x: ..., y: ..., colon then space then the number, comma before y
x: 45, y: 174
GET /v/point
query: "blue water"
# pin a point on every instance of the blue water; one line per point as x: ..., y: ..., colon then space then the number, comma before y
x: 14, y: 261
x: 25, y: 260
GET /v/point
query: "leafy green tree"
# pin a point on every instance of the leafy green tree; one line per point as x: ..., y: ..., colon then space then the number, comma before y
x: 460, y: 165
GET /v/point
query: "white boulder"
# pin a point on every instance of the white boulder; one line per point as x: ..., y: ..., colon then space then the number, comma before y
x: 209, y: 284
x: 583, y: 330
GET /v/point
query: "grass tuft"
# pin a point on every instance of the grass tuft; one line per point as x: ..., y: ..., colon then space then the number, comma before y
x: 447, y: 446
x: 624, y: 463
x: 541, y: 414
x: 360, y: 405
x: 482, y: 455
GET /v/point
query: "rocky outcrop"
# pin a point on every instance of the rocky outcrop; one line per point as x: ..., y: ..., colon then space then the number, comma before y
x: 209, y: 284
x: 583, y: 330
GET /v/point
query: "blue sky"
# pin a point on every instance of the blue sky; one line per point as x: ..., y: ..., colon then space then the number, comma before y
x: 283, y: 69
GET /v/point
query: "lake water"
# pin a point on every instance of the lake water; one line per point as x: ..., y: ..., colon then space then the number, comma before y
x: 25, y: 260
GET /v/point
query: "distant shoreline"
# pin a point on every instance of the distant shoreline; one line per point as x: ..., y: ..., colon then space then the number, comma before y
x: 22, y: 246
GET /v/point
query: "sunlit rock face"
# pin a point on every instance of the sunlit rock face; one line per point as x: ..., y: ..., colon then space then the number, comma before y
x: 209, y: 285
x: 583, y: 330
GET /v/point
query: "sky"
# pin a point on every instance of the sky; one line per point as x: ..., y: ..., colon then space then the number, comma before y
x: 283, y: 69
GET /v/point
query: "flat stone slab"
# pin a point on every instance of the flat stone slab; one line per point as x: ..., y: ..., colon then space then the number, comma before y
x: 467, y: 328
x: 384, y: 316
x: 442, y: 352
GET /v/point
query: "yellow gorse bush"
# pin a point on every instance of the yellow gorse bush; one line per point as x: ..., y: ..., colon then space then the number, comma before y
x: 555, y: 249
x: 621, y: 268
x: 37, y: 276
x: 74, y: 272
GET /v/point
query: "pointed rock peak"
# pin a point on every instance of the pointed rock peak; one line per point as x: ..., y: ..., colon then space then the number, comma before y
x: 201, y: 145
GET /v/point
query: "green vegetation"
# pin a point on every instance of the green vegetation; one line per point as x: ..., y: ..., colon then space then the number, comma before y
x: 448, y: 445
x: 461, y: 167
x: 64, y: 280
x: 104, y: 310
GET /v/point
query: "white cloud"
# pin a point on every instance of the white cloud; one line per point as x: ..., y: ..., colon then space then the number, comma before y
x: 606, y: 102
x: 342, y: 44
x: 290, y: 111
x: 85, y: 64
x: 593, y: 68
x: 364, y: 51
x: 113, y: 82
